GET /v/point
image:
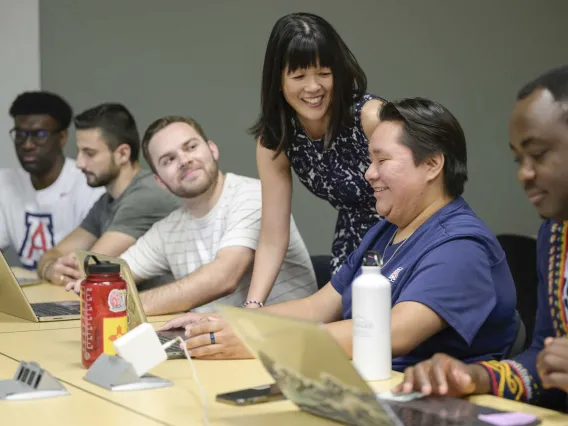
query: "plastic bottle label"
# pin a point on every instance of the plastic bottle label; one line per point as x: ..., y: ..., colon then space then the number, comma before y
x: 362, y: 327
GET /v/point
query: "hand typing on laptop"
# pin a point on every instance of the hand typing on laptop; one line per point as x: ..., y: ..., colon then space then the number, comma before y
x: 209, y: 337
x: 552, y: 363
x: 187, y: 320
x: 444, y: 375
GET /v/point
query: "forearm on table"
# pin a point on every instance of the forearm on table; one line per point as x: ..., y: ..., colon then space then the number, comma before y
x: 404, y: 338
x: 299, y: 308
x: 342, y: 332
x: 206, y: 284
x: 481, y: 379
x: 324, y: 306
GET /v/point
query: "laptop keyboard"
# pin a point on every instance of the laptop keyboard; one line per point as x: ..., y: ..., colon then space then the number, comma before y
x: 55, y: 309
x: 172, y: 351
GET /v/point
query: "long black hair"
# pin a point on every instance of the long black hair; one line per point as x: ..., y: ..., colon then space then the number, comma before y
x: 299, y: 41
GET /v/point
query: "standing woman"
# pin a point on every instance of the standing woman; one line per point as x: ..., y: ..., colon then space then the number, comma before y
x: 316, y: 118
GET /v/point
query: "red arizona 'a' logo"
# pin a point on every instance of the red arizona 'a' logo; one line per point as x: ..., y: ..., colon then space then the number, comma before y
x: 38, y: 239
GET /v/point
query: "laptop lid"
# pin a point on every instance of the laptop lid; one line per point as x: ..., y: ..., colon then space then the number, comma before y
x: 13, y: 300
x: 136, y: 315
x: 309, y: 366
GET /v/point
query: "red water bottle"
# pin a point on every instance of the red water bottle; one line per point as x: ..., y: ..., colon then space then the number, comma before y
x: 103, y: 309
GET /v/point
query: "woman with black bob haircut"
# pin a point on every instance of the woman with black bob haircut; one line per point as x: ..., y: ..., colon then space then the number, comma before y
x: 316, y: 118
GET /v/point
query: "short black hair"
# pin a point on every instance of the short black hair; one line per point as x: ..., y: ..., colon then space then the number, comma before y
x: 555, y: 81
x: 43, y: 103
x: 429, y: 129
x: 298, y: 41
x: 116, y: 124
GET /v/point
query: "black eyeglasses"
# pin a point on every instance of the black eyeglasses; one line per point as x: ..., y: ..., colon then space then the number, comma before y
x: 37, y: 136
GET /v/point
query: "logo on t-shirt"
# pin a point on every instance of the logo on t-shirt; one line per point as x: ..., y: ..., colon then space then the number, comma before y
x: 38, y: 239
x: 395, y: 274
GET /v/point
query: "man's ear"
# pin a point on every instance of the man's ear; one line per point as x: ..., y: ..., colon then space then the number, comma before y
x: 435, y: 165
x: 214, y: 150
x: 64, y: 138
x: 122, y: 154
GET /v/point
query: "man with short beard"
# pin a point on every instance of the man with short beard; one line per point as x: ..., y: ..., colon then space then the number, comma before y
x: 108, y: 145
x: 208, y: 244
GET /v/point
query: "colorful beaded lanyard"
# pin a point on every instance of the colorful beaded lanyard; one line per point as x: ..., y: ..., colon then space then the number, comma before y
x: 558, y: 298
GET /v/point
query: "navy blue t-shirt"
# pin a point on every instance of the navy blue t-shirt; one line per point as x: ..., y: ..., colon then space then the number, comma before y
x: 454, y: 265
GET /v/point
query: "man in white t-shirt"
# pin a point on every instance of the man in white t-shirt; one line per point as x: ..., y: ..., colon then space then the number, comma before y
x: 45, y: 199
x: 208, y: 245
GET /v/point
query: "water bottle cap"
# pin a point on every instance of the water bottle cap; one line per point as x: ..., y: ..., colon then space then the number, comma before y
x: 372, y: 258
x: 100, y: 267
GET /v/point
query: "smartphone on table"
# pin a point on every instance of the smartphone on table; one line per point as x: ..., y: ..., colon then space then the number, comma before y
x: 250, y: 396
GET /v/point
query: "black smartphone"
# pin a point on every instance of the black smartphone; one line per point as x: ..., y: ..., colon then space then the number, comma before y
x: 256, y: 395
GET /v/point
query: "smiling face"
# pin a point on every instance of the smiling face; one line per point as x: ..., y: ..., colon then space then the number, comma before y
x: 538, y: 131
x: 399, y: 184
x: 308, y: 91
x: 185, y: 163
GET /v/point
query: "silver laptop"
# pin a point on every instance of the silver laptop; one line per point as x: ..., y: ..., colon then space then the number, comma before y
x: 313, y: 372
x: 309, y: 367
x: 13, y: 301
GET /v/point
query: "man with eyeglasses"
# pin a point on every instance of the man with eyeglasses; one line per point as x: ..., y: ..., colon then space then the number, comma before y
x: 47, y: 197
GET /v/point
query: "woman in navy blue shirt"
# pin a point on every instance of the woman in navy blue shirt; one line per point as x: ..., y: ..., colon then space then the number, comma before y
x: 452, y: 289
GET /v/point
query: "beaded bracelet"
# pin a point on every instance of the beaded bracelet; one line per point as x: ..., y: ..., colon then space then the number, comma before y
x: 248, y: 302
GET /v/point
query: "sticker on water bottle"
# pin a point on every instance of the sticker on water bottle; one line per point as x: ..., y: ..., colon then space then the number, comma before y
x: 113, y: 329
x: 117, y: 300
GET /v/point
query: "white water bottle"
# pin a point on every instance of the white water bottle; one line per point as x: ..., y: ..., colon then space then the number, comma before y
x: 371, y: 313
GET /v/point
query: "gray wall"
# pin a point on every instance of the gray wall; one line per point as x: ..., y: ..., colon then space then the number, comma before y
x: 205, y: 58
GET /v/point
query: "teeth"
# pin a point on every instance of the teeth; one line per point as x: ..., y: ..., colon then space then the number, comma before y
x: 313, y: 101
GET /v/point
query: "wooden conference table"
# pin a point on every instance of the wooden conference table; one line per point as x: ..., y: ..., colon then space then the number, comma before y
x: 56, y: 347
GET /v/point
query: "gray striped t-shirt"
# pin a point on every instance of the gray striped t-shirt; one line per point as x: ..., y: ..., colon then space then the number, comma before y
x: 181, y: 243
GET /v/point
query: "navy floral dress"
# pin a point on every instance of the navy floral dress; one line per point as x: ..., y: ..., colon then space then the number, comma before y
x: 338, y: 176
